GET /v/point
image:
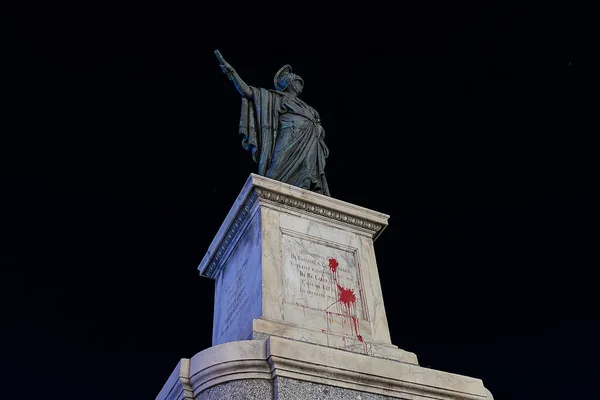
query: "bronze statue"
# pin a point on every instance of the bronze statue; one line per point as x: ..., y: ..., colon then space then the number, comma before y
x: 282, y: 132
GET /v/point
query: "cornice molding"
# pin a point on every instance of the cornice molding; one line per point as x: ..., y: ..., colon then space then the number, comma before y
x: 318, y: 210
x: 239, y: 222
x: 284, y: 196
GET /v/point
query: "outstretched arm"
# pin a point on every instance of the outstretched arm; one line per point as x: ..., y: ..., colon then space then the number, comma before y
x: 228, y: 70
x: 240, y: 85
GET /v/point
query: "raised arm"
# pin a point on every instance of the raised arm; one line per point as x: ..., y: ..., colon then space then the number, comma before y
x: 228, y: 70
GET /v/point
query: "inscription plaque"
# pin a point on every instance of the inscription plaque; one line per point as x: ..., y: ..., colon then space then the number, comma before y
x: 238, y: 292
x: 237, y: 301
x: 324, y: 277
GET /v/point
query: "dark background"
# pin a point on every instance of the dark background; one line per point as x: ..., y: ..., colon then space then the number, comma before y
x: 467, y: 124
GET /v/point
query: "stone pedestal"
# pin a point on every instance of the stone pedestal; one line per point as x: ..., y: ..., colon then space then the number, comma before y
x: 299, y: 312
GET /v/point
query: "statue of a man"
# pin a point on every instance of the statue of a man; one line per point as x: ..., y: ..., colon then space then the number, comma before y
x: 283, y: 133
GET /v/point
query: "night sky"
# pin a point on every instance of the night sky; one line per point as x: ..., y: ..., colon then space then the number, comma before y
x: 467, y: 125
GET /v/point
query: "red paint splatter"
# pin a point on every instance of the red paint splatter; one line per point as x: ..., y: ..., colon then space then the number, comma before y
x: 333, y: 264
x: 347, y: 298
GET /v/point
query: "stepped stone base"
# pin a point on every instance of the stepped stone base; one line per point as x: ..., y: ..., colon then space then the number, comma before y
x: 283, y: 369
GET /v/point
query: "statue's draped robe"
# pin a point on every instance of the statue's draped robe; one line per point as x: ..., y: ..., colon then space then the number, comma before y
x: 285, y: 137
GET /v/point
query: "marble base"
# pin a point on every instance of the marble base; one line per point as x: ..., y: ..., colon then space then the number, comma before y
x: 263, y: 329
x: 293, y: 263
x: 299, y: 312
x: 283, y: 369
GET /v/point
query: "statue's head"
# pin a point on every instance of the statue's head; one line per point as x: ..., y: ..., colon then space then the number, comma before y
x: 288, y: 81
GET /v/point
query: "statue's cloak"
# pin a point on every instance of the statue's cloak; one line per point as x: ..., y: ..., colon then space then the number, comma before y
x: 285, y: 138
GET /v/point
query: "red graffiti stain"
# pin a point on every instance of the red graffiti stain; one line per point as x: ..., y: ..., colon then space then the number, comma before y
x: 358, y: 336
x: 333, y: 264
x: 346, y: 297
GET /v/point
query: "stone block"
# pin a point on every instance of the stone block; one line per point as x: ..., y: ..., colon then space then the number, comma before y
x: 297, y: 264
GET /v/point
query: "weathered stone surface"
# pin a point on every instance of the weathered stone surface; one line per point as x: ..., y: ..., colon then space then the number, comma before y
x: 264, y: 329
x: 331, y: 371
x: 301, y: 265
x: 251, y: 389
x: 292, y: 389
x: 238, y: 287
